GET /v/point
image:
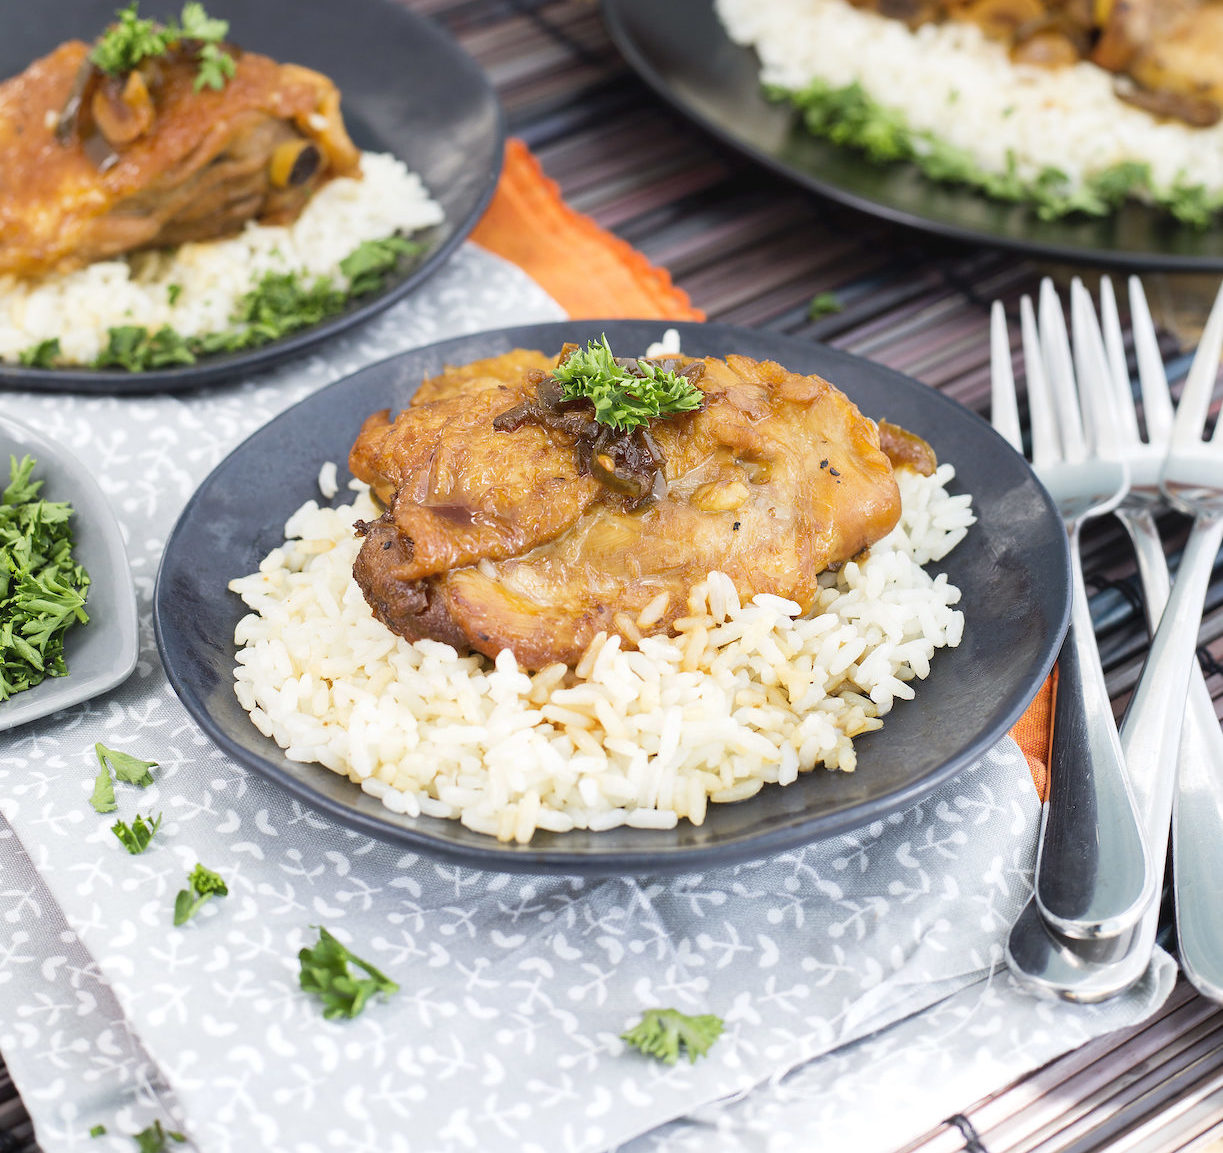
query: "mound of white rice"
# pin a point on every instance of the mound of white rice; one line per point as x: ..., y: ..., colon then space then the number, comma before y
x: 948, y: 80
x: 79, y: 307
x: 744, y: 695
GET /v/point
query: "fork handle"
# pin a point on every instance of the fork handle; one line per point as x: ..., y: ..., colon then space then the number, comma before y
x: 1092, y: 874
x: 1153, y: 726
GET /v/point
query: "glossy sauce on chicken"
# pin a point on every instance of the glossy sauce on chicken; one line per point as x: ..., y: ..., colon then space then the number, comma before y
x: 96, y: 166
x: 494, y: 539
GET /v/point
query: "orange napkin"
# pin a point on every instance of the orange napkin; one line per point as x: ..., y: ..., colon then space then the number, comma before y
x: 591, y: 273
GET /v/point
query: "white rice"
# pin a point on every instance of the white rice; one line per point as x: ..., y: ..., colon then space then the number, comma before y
x: 79, y: 307
x: 745, y: 695
x: 949, y: 80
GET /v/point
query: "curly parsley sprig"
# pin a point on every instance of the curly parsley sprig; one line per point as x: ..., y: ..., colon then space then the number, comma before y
x: 325, y: 971
x: 132, y: 38
x: 661, y: 1032
x: 622, y: 399
x: 204, y: 885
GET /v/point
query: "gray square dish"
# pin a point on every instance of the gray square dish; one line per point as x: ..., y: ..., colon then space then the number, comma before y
x: 102, y: 653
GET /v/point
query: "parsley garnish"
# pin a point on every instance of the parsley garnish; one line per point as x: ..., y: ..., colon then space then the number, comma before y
x: 129, y: 769
x: 205, y: 884
x: 153, y: 1139
x: 325, y: 971
x: 98, y: 1131
x: 173, y: 292
x: 849, y: 117
x: 623, y: 400
x: 280, y: 303
x: 823, y: 304
x: 132, y: 39
x: 42, y: 588
x: 135, y: 838
x: 42, y: 355
x: 103, y: 798
x: 661, y: 1032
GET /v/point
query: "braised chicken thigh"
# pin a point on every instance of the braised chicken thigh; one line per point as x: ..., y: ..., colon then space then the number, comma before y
x: 98, y: 165
x: 498, y: 535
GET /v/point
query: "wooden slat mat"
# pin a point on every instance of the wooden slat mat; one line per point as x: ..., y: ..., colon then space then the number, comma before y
x: 750, y: 249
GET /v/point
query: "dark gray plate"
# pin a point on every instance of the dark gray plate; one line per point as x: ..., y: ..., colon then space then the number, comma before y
x: 406, y: 88
x: 680, y: 49
x: 102, y: 653
x: 1013, y: 570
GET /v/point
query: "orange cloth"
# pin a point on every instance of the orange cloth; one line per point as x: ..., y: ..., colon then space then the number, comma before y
x: 593, y: 274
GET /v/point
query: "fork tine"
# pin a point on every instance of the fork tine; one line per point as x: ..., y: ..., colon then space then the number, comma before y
x: 1114, y: 346
x: 1194, y: 402
x: 1060, y: 373
x: 1003, y: 408
x: 1094, y: 377
x: 1046, y: 443
x: 1156, y: 397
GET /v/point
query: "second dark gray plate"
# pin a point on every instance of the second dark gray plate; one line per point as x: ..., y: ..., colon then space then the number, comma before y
x: 406, y: 88
x: 1013, y: 569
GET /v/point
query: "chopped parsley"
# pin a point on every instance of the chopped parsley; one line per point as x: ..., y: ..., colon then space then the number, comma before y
x: 280, y: 303
x: 42, y: 355
x: 622, y: 399
x: 661, y: 1032
x: 849, y: 117
x: 135, y: 837
x: 325, y: 971
x: 153, y: 1139
x: 824, y: 304
x: 131, y: 39
x: 42, y: 587
x: 98, y: 1131
x: 204, y: 885
x: 131, y: 770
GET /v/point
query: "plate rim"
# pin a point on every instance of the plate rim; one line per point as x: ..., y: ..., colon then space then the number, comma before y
x: 1144, y: 260
x: 513, y: 858
x: 231, y: 367
x: 62, y: 692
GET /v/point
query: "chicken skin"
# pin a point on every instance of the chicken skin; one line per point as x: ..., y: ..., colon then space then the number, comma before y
x: 496, y: 539
x: 96, y: 166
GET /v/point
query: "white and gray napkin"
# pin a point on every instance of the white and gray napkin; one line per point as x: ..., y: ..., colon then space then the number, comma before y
x: 859, y: 978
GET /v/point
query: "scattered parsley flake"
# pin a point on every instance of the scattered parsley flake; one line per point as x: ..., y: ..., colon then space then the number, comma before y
x: 325, y: 971
x: 173, y: 292
x: 661, y: 1032
x: 623, y: 400
x: 103, y: 798
x: 98, y: 1131
x: 131, y: 770
x: 824, y: 304
x: 153, y: 1139
x: 135, y: 837
x: 205, y: 884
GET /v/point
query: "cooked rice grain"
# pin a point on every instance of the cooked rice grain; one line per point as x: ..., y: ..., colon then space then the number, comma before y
x: 746, y: 695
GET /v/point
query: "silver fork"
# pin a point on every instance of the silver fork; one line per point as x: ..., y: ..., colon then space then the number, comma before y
x: 1092, y: 878
x: 1151, y: 729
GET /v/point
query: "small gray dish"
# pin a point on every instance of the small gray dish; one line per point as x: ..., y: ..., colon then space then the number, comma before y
x: 102, y: 653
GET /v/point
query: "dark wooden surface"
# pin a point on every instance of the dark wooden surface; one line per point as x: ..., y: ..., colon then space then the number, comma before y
x: 752, y: 250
